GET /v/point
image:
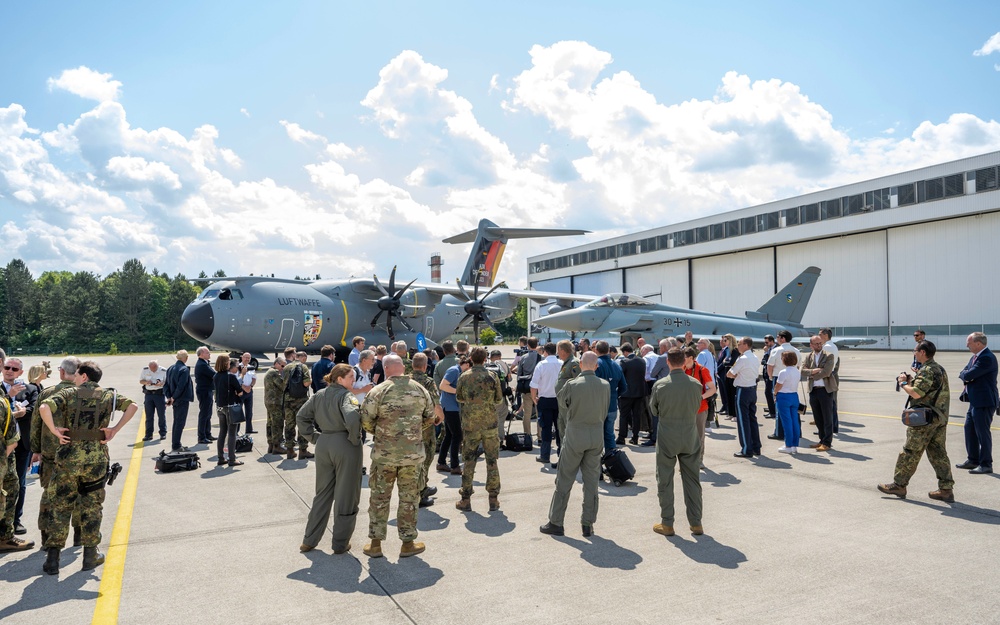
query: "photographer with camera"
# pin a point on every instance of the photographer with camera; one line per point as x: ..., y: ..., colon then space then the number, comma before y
x: 929, y: 389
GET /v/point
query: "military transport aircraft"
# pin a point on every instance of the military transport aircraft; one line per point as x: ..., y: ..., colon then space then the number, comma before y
x: 622, y: 313
x: 265, y: 315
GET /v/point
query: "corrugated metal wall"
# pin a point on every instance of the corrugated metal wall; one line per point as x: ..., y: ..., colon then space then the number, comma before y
x: 733, y: 283
x: 665, y: 282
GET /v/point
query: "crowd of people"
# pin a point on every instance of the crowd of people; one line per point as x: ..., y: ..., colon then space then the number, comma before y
x: 452, y: 404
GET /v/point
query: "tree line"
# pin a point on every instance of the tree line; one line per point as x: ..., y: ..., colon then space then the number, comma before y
x: 127, y: 310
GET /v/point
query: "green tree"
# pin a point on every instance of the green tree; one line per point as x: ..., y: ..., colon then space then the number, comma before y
x: 181, y: 294
x: 133, y: 299
x: 517, y: 324
x: 21, y: 306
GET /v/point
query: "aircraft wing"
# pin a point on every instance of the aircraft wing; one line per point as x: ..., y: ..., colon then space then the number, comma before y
x: 843, y: 343
x: 539, y: 297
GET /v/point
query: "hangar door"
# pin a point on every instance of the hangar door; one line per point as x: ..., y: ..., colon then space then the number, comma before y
x: 665, y: 282
x: 733, y: 283
x: 598, y: 284
x: 943, y: 274
x: 556, y: 285
x: 851, y: 290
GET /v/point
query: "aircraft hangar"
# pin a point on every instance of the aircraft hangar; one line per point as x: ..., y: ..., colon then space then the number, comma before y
x: 913, y: 249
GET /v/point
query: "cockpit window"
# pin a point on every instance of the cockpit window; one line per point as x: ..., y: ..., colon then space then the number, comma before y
x: 620, y: 300
x: 208, y: 293
x: 230, y: 294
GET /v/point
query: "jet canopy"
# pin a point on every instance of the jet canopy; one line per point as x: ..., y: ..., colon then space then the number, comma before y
x: 619, y: 300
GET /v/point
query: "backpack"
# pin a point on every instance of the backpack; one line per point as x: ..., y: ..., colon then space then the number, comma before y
x: 499, y: 372
x: 177, y: 461
x: 295, y: 387
x: 244, y: 444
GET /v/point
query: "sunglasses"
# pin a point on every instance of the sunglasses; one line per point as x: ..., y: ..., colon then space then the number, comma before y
x: 10, y: 368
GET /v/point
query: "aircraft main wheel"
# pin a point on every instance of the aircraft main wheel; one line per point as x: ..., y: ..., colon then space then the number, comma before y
x: 253, y: 362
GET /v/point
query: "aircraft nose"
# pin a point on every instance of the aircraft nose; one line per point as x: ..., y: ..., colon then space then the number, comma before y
x: 580, y: 320
x: 198, y: 320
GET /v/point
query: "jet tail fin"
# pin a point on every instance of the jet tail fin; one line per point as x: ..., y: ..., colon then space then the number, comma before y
x: 488, y: 243
x: 789, y: 303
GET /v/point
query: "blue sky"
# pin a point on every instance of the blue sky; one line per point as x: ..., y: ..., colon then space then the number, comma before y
x: 407, y: 122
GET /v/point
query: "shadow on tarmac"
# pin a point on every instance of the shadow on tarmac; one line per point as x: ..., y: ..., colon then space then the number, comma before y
x: 771, y: 463
x: 336, y: 574
x: 628, y: 489
x: 812, y: 458
x: 603, y: 553
x: 719, y: 480
x: 706, y: 550
x: 847, y: 438
x: 405, y: 575
x: 46, y: 589
x: 957, y: 510
x: 836, y: 453
x: 494, y: 525
x: 429, y: 521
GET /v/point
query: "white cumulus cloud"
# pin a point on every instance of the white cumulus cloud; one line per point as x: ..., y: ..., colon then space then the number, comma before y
x: 299, y: 134
x: 87, y: 83
x: 992, y: 45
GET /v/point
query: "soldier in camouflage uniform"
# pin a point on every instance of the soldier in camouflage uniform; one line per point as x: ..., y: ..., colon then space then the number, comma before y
x: 274, y: 392
x: 80, y: 418
x: 928, y: 390
x: 9, y: 438
x: 396, y: 413
x: 291, y: 405
x: 401, y: 350
x: 478, y: 393
x: 42, y: 439
x: 430, y: 439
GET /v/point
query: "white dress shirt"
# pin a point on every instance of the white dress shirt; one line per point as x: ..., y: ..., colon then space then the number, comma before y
x: 545, y: 375
x: 745, y: 369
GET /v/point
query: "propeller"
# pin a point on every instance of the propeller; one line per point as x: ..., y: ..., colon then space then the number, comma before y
x: 389, y: 303
x: 475, y: 307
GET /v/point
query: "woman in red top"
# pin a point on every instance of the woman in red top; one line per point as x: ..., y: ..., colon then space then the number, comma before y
x: 703, y: 375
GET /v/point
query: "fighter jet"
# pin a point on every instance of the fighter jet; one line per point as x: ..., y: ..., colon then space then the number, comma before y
x: 623, y: 313
x: 265, y: 315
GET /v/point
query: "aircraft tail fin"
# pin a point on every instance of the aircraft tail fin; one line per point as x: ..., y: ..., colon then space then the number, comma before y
x: 488, y: 243
x: 789, y: 303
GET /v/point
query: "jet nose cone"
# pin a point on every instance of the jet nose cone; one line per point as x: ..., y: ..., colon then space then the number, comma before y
x: 198, y: 320
x: 569, y: 320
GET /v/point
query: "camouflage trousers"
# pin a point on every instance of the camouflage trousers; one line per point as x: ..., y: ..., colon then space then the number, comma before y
x: 430, y: 447
x: 9, y: 487
x: 471, y: 439
x: 65, y: 498
x: 290, y: 409
x: 929, y: 438
x: 380, y: 481
x: 275, y: 424
x: 44, y: 507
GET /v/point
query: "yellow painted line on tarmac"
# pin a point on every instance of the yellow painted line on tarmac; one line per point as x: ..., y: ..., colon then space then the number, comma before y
x: 110, y: 593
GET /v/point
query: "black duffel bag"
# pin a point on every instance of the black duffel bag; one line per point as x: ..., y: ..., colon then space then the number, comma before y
x: 177, y: 461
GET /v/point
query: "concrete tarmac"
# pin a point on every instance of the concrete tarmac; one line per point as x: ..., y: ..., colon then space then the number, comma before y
x: 788, y: 539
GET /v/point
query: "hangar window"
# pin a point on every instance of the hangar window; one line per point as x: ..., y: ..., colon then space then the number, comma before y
x: 831, y: 209
x: 935, y: 189
x: 769, y: 221
x: 953, y: 185
x: 749, y: 225
x: 718, y: 231
x: 683, y: 237
x: 854, y: 204
x: 906, y: 194
x: 810, y: 213
x: 791, y: 216
x: 986, y: 179
x: 662, y: 242
x: 650, y: 244
x: 702, y: 234
x: 627, y: 249
x: 882, y: 200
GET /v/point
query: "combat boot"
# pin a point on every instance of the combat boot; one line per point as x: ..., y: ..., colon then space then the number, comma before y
x: 893, y: 489
x: 278, y: 449
x: 51, y: 565
x: 291, y: 452
x: 464, y: 504
x: 494, y: 503
x: 77, y: 538
x: 664, y: 530
x: 92, y: 558
x: 270, y: 448
x: 946, y: 495
x: 373, y: 549
x: 411, y: 548
x: 304, y: 453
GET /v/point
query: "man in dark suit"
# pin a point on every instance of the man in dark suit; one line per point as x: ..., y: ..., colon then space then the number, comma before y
x: 204, y: 374
x: 817, y: 368
x: 980, y: 377
x: 179, y: 391
x: 633, y: 401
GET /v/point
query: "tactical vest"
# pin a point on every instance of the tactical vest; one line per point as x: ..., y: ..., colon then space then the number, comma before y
x: 85, y: 416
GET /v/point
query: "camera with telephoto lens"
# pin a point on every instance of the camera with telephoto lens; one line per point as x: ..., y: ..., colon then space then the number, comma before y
x: 909, y: 378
